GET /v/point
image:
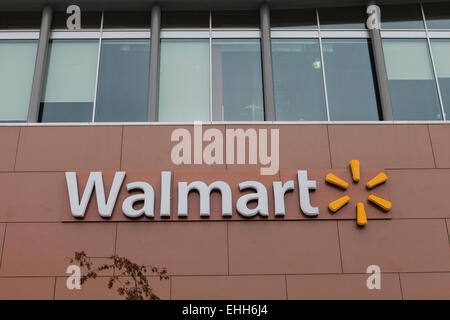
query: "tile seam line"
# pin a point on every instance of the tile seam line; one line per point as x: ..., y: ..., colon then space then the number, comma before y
x: 339, y: 246
x: 400, y: 282
x: 306, y: 220
x: 17, y: 149
x: 329, y: 147
x: 431, y: 145
x: 282, y: 275
x: 3, y: 246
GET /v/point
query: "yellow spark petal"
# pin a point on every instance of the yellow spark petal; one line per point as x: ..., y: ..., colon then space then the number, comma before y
x: 354, y: 165
x: 361, y: 218
x: 379, y: 179
x: 338, y: 182
x: 339, y: 203
x: 383, y: 204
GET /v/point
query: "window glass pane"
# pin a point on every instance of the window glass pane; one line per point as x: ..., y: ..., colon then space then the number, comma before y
x: 411, y: 81
x: 20, y: 20
x: 441, y: 54
x: 298, y: 81
x: 127, y: 19
x: 89, y: 19
x: 350, y: 81
x: 184, y: 80
x: 235, y: 19
x: 185, y: 19
x: 343, y: 18
x: 293, y: 19
x: 237, y: 80
x: 401, y: 17
x: 17, y: 58
x: 69, y: 86
x: 437, y: 15
x: 122, y: 94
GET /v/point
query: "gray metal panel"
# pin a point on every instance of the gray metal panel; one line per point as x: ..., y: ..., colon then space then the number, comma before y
x: 266, y: 55
x: 153, y: 90
x: 39, y: 68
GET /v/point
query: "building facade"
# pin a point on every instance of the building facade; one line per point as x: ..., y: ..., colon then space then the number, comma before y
x: 154, y: 93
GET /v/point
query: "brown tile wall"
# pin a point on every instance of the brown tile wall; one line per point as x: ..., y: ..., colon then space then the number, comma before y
x: 305, y: 259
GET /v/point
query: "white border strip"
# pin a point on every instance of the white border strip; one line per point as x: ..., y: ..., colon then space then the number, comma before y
x: 27, y: 35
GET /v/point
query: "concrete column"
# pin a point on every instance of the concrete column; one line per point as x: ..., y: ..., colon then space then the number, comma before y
x: 373, y: 24
x: 153, y: 89
x: 267, y: 71
x: 40, y: 65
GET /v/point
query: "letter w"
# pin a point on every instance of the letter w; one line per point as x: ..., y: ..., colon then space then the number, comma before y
x: 105, y: 208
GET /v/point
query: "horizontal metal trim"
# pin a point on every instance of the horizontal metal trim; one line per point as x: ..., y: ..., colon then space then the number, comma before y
x: 184, y: 34
x: 235, y: 34
x: 439, y: 34
x: 189, y: 123
x: 294, y: 34
x: 403, y: 34
x: 344, y: 34
x: 19, y: 35
x: 75, y: 35
x: 126, y: 35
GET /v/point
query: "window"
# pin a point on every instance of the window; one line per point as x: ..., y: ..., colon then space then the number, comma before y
x: 20, y: 20
x: 411, y: 81
x: 122, y: 94
x: 401, y: 17
x: 441, y: 54
x: 185, y: 19
x: 126, y: 19
x: 184, y: 80
x: 237, y: 80
x: 69, y: 86
x: 343, y: 18
x: 298, y: 81
x: 294, y: 19
x: 17, y: 59
x: 350, y: 82
x: 437, y: 15
x: 235, y: 19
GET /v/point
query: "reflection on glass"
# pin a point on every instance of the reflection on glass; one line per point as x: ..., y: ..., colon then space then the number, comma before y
x: 68, y: 92
x: 126, y: 19
x: 184, y: 19
x: 237, y: 80
x: 298, y: 81
x: 293, y: 19
x: 17, y: 58
x: 441, y: 54
x: 350, y: 81
x: 20, y: 19
x: 184, y: 80
x: 411, y: 81
x: 343, y: 18
x: 123, y: 81
x: 235, y: 19
x: 437, y: 15
x: 401, y: 17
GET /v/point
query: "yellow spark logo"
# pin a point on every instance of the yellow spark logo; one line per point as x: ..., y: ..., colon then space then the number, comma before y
x: 361, y: 218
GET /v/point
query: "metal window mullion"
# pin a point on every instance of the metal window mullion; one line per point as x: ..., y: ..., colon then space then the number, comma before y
x: 210, y: 68
x: 40, y: 64
x: 98, y: 69
x: 324, y: 79
x: 430, y: 51
x: 153, y: 85
x: 267, y: 70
